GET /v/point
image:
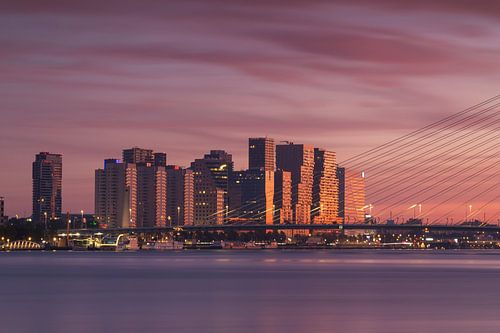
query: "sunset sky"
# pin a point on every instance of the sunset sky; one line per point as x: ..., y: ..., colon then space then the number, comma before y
x: 87, y: 79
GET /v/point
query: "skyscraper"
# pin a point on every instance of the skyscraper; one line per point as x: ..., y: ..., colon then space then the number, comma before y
x: 151, y: 195
x: 47, y: 186
x: 3, y: 218
x: 325, y: 187
x: 116, y: 194
x: 257, y: 196
x: 160, y: 159
x: 211, y: 180
x: 351, y: 195
x: 261, y: 154
x: 138, y: 155
x: 180, y: 197
x: 282, y: 197
x: 298, y: 159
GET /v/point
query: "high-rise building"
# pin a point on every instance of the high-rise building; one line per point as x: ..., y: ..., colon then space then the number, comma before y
x: 325, y: 187
x: 261, y: 154
x: 351, y: 195
x: 151, y: 195
x: 180, y: 197
x: 138, y: 155
x: 282, y: 197
x: 116, y: 194
x: 298, y: 159
x: 257, y: 196
x: 47, y: 187
x: 3, y: 218
x: 235, y: 195
x: 160, y: 159
x: 211, y: 180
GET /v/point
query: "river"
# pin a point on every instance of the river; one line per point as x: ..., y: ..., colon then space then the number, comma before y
x: 251, y: 291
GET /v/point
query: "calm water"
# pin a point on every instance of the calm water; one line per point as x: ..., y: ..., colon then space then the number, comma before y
x: 261, y: 291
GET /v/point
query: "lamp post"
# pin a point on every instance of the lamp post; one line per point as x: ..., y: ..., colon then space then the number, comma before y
x: 178, y: 215
x: 45, y: 220
x: 83, y: 224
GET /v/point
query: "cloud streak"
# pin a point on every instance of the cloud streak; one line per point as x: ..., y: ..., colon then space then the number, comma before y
x: 186, y: 76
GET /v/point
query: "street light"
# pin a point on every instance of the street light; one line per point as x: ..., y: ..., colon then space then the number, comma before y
x: 45, y: 220
x: 81, y: 212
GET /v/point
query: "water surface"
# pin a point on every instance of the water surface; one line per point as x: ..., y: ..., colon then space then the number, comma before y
x: 251, y: 291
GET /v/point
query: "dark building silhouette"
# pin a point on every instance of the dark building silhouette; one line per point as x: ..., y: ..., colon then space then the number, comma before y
x: 261, y: 154
x: 138, y: 155
x: 116, y: 194
x: 180, y: 196
x: 47, y: 187
x: 160, y: 159
x: 3, y: 218
x: 151, y: 195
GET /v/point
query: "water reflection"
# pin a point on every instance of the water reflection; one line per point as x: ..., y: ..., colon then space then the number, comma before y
x: 261, y: 291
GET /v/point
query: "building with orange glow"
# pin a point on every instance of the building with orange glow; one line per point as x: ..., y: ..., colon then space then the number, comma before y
x: 282, y: 197
x: 325, y: 188
x: 211, y: 179
x: 352, y: 197
x: 298, y: 159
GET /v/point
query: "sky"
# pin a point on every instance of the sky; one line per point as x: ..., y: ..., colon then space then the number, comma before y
x: 89, y: 78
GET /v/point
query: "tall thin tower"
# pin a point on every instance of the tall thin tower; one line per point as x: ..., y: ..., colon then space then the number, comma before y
x: 47, y: 187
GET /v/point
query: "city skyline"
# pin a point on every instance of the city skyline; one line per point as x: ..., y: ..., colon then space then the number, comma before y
x: 217, y: 82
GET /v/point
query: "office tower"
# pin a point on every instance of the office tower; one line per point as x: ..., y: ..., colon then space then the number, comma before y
x: 351, y: 195
x: 3, y: 218
x: 282, y: 197
x: 261, y: 154
x: 116, y: 194
x: 211, y: 175
x: 138, y: 155
x: 298, y: 159
x: 325, y: 187
x: 257, y: 196
x: 180, y: 197
x: 47, y: 187
x: 235, y: 195
x: 160, y: 159
x: 151, y: 195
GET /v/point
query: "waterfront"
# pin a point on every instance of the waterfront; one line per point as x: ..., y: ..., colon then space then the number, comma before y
x: 251, y: 291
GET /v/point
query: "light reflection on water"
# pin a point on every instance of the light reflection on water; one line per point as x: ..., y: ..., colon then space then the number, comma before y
x: 251, y: 291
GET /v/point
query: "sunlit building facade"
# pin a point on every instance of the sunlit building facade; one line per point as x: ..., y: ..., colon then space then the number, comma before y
x: 211, y: 184
x: 325, y: 188
x: 298, y: 159
x: 282, y: 197
x: 352, y: 196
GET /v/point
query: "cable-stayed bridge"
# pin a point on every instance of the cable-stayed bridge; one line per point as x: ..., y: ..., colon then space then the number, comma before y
x: 444, y: 173
x: 442, y: 176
